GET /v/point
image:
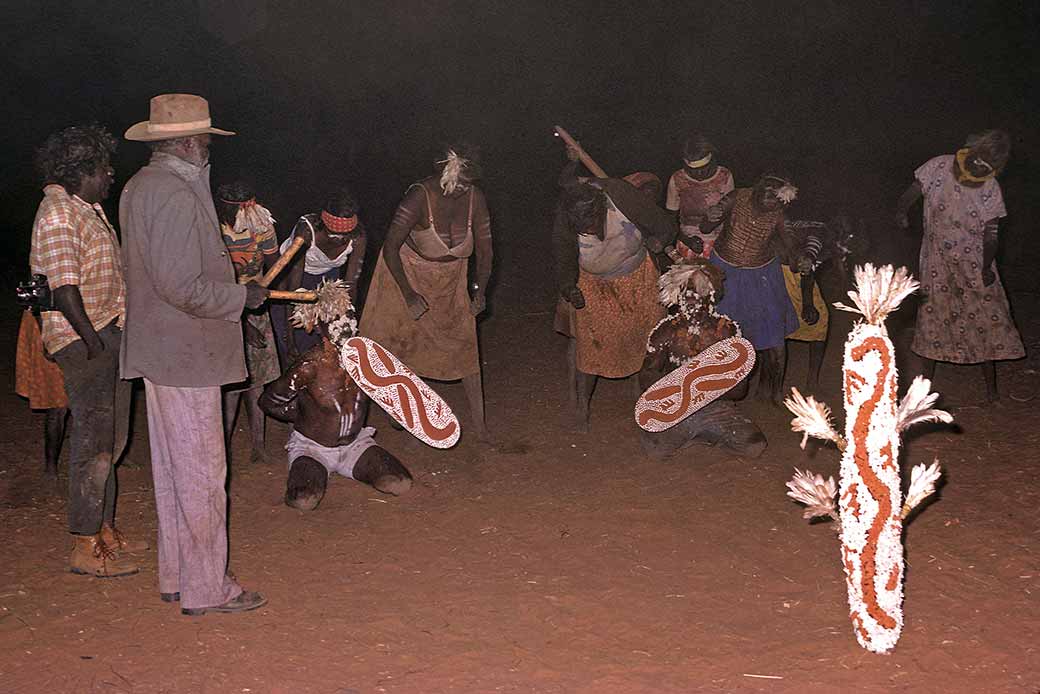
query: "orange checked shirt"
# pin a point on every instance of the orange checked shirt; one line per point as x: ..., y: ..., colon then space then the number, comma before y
x: 74, y: 243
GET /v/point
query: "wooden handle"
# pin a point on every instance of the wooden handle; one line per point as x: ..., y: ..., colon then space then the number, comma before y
x: 589, y: 163
x: 280, y: 264
x: 298, y: 296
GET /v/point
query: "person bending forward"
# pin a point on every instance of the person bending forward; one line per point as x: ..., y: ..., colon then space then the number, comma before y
x: 418, y: 306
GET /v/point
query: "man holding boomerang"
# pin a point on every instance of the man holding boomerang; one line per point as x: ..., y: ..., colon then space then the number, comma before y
x: 184, y: 338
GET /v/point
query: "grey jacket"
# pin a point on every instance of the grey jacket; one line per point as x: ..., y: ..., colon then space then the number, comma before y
x: 183, y: 305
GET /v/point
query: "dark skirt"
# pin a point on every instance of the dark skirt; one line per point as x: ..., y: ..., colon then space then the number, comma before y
x: 756, y: 299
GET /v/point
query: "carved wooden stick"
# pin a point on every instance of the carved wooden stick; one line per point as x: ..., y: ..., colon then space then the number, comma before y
x: 280, y: 264
x: 582, y: 154
x: 299, y: 296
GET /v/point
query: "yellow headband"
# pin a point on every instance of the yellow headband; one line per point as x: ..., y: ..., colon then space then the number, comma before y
x: 700, y: 162
x: 963, y: 175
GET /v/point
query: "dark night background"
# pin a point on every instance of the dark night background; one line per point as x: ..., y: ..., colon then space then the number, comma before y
x: 848, y: 98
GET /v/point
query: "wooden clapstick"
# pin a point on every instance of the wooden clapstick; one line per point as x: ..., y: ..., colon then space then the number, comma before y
x: 589, y: 163
x: 299, y: 296
x: 280, y: 264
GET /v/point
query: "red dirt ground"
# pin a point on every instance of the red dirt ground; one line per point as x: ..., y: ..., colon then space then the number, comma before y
x: 551, y: 562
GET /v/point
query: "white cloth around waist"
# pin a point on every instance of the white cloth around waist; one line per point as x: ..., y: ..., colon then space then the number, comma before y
x: 340, y: 459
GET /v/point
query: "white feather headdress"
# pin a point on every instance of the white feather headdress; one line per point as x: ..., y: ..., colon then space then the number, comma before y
x: 452, y: 173
x: 674, y: 282
x: 333, y: 308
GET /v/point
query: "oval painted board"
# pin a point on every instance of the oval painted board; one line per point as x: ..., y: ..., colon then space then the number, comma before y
x: 399, y: 391
x: 701, y: 380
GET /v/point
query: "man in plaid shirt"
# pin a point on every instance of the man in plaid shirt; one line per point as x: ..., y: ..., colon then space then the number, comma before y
x: 75, y: 246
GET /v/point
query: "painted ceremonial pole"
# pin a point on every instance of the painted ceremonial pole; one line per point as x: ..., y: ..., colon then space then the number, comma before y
x: 589, y: 163
x: 871, y: 509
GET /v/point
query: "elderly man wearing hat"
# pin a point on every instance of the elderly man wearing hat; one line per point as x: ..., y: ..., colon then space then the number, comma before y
x: 184, y: 338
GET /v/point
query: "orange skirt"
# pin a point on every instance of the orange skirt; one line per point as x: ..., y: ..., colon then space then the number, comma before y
x: 619, y: 313
x: 36, y: 378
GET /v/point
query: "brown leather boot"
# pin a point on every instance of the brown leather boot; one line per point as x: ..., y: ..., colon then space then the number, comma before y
x: 117, y: 540
x: 92, y: 557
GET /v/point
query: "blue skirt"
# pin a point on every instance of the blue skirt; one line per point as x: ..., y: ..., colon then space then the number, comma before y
x: 756, y: 298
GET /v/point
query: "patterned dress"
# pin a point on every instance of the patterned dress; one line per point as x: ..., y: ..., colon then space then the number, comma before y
x: 960, y: 320
x: 691, y: 199
x: 247, y: 249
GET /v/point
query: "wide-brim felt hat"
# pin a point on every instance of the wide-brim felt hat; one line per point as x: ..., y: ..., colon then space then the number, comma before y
x: 175, y: 115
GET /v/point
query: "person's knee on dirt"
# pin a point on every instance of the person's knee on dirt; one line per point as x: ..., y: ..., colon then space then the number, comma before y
x: 379, y: 468
x: 305, y: 487
x: 328, y: 410
x: 690, y: 292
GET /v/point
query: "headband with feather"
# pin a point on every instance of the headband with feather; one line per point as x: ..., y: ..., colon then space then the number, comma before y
x: 452, y: 173
x: 674, y: 282
x: 251, y: 215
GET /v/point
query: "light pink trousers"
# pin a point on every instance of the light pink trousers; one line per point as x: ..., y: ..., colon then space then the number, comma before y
x: 189, y: 467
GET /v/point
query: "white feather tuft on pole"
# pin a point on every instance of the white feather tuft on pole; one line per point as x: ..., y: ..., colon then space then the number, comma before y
x: 452, y: 173
x: 879, y: 291
x: 816, y: 493
x: 813, y: 419
x: 922, y: 485
x: 917, y: 404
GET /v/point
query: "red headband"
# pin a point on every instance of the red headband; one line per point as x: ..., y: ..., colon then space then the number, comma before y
x: 338, y: 225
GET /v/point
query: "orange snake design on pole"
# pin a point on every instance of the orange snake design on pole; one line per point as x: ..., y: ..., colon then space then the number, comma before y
x: 870, y: 503
x: 872, y: 538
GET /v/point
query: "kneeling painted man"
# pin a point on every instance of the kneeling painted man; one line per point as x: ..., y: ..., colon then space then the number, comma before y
x: 690, y: 291
x: 328, y: 410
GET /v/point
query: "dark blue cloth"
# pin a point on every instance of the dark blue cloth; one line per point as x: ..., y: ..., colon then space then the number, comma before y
x: 757, y: 299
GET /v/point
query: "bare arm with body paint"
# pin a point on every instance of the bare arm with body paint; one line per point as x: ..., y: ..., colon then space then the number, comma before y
x: 319, y: 397
x: 408, y: 213
x: 279, y: 399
